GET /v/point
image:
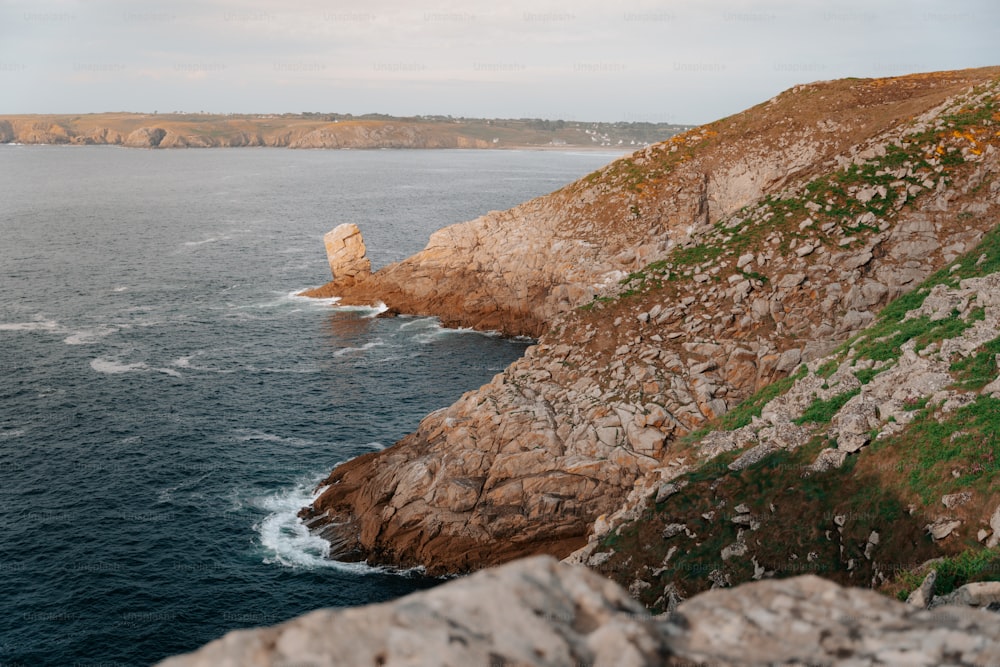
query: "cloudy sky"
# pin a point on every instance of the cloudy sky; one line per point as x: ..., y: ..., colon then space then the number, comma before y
x: 681, y: 61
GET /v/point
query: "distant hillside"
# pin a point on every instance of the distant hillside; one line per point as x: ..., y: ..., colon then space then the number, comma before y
x: 180, y: 130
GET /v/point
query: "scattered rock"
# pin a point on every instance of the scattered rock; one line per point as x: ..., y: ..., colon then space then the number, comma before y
x: 953, y: 500
x: 995, y: 527
x: 942, y: 528
x: 923, y: 595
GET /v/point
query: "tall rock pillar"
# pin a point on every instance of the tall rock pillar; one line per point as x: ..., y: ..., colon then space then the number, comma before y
x: 346, y: 252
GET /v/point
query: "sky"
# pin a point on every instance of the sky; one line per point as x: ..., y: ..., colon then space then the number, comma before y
x: 678, y: 61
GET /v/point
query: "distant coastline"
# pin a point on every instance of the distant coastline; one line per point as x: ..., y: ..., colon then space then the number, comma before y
x: 326, y: 131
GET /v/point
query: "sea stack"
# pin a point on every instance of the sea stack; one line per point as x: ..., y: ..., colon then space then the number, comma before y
x: 346, y: 252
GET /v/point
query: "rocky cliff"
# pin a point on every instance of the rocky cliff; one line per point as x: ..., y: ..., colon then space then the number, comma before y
x: 667, y: 289
x: 540, y: 612
x: 179, y: 130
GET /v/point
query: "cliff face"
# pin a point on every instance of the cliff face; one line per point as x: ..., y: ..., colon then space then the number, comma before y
x: 720, y: 261
x: 180, y: 130
x: 540, y: 612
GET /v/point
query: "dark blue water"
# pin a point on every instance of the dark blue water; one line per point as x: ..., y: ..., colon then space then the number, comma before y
x: 167, y: 404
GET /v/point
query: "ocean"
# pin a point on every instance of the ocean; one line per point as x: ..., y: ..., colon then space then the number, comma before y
x: 167, y: 403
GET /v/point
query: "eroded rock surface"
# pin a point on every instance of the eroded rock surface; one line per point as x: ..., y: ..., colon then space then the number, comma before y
x: 808, y: 620
x: 346, y: 252
x: 533, y: 612
x: 540, y: 612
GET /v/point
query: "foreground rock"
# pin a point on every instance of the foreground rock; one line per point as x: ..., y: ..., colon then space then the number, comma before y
x: 808, y: 620
x: 540, y: 612
x: 533, y: 612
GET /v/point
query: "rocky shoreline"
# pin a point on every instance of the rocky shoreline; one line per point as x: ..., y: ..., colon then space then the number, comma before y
x: 665, y: 289
x: 766, y: 347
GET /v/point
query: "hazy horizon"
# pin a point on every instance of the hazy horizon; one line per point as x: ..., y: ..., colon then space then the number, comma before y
x: 640, y: 61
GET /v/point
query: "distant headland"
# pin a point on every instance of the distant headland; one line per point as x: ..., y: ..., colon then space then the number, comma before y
x: 318, y: 130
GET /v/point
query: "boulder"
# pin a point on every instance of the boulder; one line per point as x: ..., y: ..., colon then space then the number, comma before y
x: 808, y: 620
x: 535, y: 611
x: 538, y: 611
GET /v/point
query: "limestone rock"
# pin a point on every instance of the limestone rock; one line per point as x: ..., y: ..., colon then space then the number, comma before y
x: 532, y: 612
x: 808, y: 620
x: 923, y: 595
x: 942, y: 528
x: 346, y: 252
x: 540, y: 612
x: 994, y: 539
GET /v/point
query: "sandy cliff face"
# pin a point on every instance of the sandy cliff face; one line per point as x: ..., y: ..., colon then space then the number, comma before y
x: 754, y: 244
x: 151, y: 132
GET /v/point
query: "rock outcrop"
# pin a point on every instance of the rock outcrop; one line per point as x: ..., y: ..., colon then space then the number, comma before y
x: 540, y: 612
x: 719, y: 261
x: 145, y: 137
x: 345, y: 250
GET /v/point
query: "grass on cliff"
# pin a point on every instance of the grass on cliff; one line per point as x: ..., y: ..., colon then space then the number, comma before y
x: 939, y: 454
x: 882, y: 341
x: 796, y: 533
x: 821, y: 411
x: 830, y: 201
x: 744, y: 412
x: 953, y: 572
x: 975, y: 372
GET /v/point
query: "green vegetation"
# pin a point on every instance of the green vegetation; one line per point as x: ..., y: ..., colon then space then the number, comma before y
x: 743, y: 413
x: 795, y: 516
x: 976, y: 371
x: 954, y: 572
x: 822, y: 411
x: 828, y: 368
x: 829, y: 202
x: 936, y: 447
x: 886, y: 338
x: 694, y: 255
x: 868, y: 374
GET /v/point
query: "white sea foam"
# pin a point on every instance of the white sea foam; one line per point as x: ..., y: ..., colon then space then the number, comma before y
x: 249, y: 435
x: 288, y: 542
x: 378, y: 342
x: 421, y: 322
x: 169, y: 371
x: 11, y: 433
x: 113, y: 367
x: 120, y: 288
x: 212, y: 239
x: 183, y: 362
x: 88, y: 336
x: 296, y: 296
x: 377, y: 309
x: 38, y: 324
